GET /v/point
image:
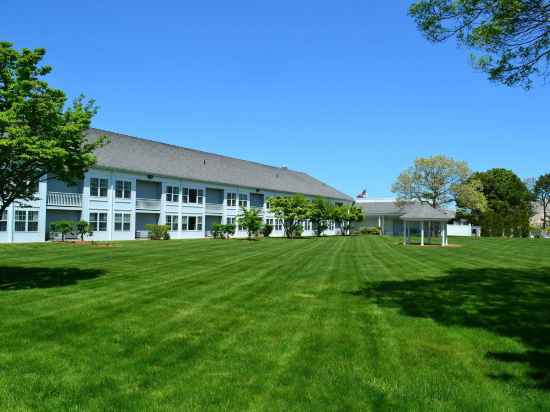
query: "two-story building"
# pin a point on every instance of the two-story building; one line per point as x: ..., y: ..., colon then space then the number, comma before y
x: 136, y: 182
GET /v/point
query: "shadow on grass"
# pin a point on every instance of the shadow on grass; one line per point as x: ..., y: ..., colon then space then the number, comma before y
x: 509, y: 302
x: 16, y: 277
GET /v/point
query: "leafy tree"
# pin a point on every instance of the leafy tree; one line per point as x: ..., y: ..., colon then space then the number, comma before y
x: 469, y: 196
x: 508, y: 204
x: 217, y: 230
x: 346, y: 215
x: 513, y: 35
x: 291, y: 210
x: 228, y: 230
x: 320, y: 211
x: 251, y: 221
x: 267, y: 229
x: 435, y: 180
x: 83, y: 228
x: 541, y: 193
x: 38, y: 136
x: 64, y: 227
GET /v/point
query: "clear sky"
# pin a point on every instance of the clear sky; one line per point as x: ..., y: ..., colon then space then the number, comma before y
x: 347, y: 91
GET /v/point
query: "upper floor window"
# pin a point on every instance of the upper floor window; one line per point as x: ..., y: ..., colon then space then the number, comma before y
x: 98, y: 187
x: 172, y: 222
x: 98, y: 222
x: 122, y: 222
x: 243, y: 200
x: 192, y: 196
x: 172, y: 193
x: 26, y: 220
x: 123, y: 189
x: 232, y: 199
x: 4, y: 221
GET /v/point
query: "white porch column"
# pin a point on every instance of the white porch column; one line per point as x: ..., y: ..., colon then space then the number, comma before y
x: 422, y: 234
x: 443, y: 230
x: 446, y: 235
x: 404, y: 232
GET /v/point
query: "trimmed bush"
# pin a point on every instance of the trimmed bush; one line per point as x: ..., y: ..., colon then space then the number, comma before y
x: 266, y: 230
x: 370, y: 231
x: 229, y: 230
x: 63, y: 227
x: 158, y: 232
x: 217, y: 231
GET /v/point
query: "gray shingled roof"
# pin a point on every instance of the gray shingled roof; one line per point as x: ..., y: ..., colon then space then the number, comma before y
x: 146, y: 156
x: 381, y: 208
x: 409, y: 211
x: 424, y: 212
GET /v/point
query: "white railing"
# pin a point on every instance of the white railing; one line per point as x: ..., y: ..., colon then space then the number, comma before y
x: 148, y: 204
x: 214, y: 207
x: 64, y: 199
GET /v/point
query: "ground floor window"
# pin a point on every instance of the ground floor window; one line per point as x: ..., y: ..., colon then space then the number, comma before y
x: 269, y: 222
x: 230, y: 220
x: 172, y: 222
x: 330, y: 225
x: 307, y: 225
x: 98, y: 221
x: 4, y: 221
x: 122, y: 222
x: 26, y: 221
x: 191, y: 223
x: 278, y: 224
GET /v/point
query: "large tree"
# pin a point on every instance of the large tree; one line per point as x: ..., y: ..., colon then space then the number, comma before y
x: 39, y: 136
x: 513, y: 36
x: 292, y: 210
x: 508, y: 204
x: 345, y: 216
x: 436, y: 180
x: 541, y: 192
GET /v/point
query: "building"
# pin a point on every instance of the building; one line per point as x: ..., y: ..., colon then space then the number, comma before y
x: 136, y: 182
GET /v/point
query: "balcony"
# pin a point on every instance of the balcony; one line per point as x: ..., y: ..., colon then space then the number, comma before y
x: 214, y: 208
x: 64, y: 199
x: 148, y: 204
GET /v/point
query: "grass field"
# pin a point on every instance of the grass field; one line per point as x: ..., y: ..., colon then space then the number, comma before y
x: 358, y: 323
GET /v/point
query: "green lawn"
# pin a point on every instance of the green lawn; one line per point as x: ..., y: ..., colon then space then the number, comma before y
x: 358, y: 323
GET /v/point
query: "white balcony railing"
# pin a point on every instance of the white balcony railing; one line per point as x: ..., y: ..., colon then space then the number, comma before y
x: 148, y: 204
x: 64, y: 199
x: 214, y: 207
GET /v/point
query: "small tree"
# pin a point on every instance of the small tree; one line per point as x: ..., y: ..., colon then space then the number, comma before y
x: 541, y: 193
x: 251, y: 221
x: 217, y: 230
x: 267, y: 229
x: 346, y: 215
x: 229, y: 230
x: 83, y: 228
x: 320, y: 211
x: 64, y: 227
x: 158, y: 232
x: 291, y: 210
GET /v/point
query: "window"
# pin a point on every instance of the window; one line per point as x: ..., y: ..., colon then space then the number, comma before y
x: 122, y: 222
x: 243, y: 200
x: 98, y: 187
x: 230, y: 220
x: 172, y: 221
x: 232, y: 199
x: 123, y: 189
x: 191, y: 223
x: 330, y: 225
x: 307, y: 225
x: 98, y: 222
x: 192, y: 196
x: 26, y: 221
x: 278, y: 224
x: 4, y: 221
x: 172, y: 194
x: 269, y: 222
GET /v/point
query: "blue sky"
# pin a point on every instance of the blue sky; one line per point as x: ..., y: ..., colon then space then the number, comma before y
x: 347, y: 91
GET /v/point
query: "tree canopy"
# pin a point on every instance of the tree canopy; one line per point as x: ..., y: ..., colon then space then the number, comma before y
x: 292, y: 210
x: 541, y: 192
x: 513, y: 36
x: 38, y: 136
x: 346, y: 215
x: 251, y: 221
x: 320, y: 212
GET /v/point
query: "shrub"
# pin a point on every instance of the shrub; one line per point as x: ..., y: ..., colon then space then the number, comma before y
x: 158, y: 232
x: 251, y: 221
x: 64, y: 227
x: 266, y: 230
x: 370, y: 231
x: 83, y: 228
x: 229, y: 230
x: 217, y: 230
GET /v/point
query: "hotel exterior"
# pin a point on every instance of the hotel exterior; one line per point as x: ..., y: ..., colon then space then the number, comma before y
x: 136, y: 182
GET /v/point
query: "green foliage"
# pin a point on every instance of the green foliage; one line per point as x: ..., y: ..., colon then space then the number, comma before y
x: 370, y: 231
x: 469, y: 196
x: 229, y: 230
x: 158, y: 232
x: 251, y: 221
x: 63, y: 227
x: 221, y: 231
x: 508, y: 204
x: 266, y: 230
x: 513, y: 35
x: 434, y: 180
x: 541, y: 193
x: 38, y: 135
x: 320, y: 211
x: 291, y: 210
x: 83, y: 228
x: 345, y: 216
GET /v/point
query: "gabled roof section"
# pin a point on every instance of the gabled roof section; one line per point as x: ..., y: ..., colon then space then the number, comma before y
x: 408, y: 211
x: 150, y: 157
x: 422, y: 211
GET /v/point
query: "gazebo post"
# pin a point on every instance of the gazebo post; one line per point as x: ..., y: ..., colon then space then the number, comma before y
x: 446, y: 235
x: 404, y: 232
x: 422, y: 234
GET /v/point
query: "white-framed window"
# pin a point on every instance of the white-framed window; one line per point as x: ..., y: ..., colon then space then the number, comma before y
x: 278, y: 226
x: 98, y: 221
x: 98, y: 187
x: 269, y: 222
x: 123, y: 189
x: 172, y: 221
x: 243, y: 200
x: 172, y: 194
x: 123, y: 222
x: 232, y: 199
x: 330, y: 225
x: 191, y: 223
x: 307, y: 225
x: 26, y: 221
x: 231, y: 220
x: 4, y: 221
x: 195, y: 196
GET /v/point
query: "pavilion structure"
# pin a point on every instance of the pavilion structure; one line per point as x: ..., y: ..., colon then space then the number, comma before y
x: 426, y: 216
